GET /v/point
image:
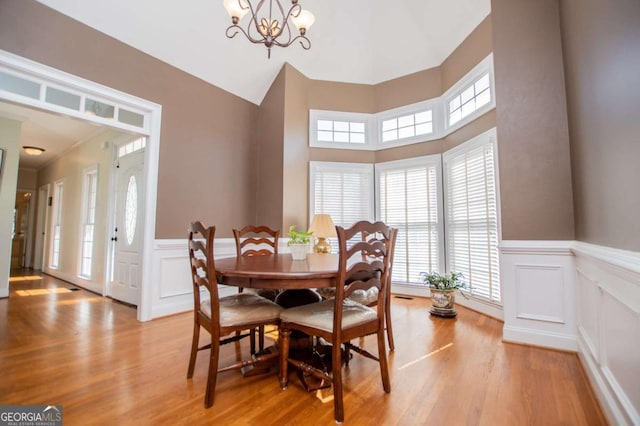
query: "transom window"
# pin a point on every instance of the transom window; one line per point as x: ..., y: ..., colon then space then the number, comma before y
x: 471, y: 99
x: 341, y: 131
x: 407, y: 126
x: 131, y: 147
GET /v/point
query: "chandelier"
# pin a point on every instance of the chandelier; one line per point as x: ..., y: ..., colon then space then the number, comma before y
x: 269, y: 27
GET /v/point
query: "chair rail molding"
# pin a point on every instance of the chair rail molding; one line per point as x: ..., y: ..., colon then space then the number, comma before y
x: 538, y: 293
x: 608, y: 327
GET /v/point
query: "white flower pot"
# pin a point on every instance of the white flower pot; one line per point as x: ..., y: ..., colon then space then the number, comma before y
x: 299, y: 251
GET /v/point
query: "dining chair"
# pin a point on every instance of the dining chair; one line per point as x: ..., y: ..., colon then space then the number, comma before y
x: 363, y: 264
x: 257, y: 240
x: 370, y: 296
x: 221, y: 316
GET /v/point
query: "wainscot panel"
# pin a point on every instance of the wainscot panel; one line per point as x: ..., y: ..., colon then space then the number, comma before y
x: 608, y: 287
x: 538, y: 291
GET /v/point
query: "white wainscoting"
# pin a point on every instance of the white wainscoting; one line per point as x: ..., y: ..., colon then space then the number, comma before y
x: 172, y: 288
x: 538, y: 293
x: 608, y: 327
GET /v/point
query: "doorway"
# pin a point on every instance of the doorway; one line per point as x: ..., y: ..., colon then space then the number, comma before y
x: 20, y: 233
x: 125, y: 112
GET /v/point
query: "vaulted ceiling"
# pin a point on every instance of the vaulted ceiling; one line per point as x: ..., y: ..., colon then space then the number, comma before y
x: 356, y: 41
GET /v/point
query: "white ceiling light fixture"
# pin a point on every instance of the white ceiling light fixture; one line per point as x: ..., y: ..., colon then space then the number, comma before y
x: 33, y: 150
x: 269, y: 27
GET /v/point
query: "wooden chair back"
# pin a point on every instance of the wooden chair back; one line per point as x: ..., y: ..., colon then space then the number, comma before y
x: 203, y: 272
x: 256, y: 240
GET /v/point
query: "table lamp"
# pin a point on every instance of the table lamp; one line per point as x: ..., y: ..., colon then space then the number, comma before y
x: 322, y: 227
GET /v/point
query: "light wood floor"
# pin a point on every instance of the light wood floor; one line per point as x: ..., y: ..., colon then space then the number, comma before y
x: 90, y: 355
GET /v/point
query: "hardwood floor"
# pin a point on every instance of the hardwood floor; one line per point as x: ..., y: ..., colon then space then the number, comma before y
x: 90, y: 355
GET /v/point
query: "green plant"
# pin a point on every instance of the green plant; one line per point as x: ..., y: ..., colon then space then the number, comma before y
x: 296, y: 237
x: 450, y: 281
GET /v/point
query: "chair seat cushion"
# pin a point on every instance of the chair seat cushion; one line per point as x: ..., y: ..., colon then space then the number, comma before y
x: 244, y: 308
x: 320, y: 315
x: 365, y: 297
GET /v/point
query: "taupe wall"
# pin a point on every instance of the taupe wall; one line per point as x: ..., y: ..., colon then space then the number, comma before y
x: 206, y: 141
x: 601, y: 42
x: 269, y: 158
x: 533, y: 139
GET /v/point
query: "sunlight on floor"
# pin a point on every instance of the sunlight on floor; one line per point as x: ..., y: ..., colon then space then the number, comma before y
x: 25, y: 278
x: 425, y: 356
x: 41, y: 291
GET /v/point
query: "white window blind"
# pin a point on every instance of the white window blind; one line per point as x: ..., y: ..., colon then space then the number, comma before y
x: 472, y: 215
x: 409, y: 198
x: 342, y: 190
x: 89, y: 219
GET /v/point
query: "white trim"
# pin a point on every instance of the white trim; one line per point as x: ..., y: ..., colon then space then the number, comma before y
x: 546, y: 339
x: 627, y: 260
x: 153, y: 115
x: 434, y: 105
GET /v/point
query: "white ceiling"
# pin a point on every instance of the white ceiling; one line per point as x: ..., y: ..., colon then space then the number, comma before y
x: 54, y: 133
x: 356, y: 41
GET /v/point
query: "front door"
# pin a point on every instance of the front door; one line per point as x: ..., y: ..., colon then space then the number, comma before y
x: 127, y: 233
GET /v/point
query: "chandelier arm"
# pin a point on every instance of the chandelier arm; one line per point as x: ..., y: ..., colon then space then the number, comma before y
x: 239, y: 29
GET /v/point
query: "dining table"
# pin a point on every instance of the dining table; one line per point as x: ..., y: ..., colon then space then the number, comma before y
x: 297, y: 279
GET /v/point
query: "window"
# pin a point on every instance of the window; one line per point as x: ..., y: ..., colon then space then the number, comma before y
x: 131, y: 147
x: 56, y: 225
x: 407, y: 126
x: 471, y: 208
x: 90, y: 191
x: 470, y: 97
x: 332, y: 129
x: 409, y: 194
x: 466, y: 100
x: 342, y: 190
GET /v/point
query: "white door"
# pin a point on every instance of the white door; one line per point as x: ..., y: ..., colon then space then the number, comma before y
x: 127, y: 232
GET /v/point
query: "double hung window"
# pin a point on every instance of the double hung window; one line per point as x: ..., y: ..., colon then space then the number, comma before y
x: 409, y: 197
x: 471, y: 208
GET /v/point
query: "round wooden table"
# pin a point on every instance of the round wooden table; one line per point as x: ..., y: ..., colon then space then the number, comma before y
x: 279, y: 271
x: 295, y: 277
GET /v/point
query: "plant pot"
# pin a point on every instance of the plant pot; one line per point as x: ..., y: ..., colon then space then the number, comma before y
x: 442, y: 303
x: 299, y: 251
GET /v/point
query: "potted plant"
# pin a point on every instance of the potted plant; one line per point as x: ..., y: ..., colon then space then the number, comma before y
x: 443, y: 289
x: 298, y: 243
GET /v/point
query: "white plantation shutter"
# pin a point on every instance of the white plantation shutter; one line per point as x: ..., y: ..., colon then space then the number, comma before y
x: 472, y: 215
x: 342, y: 190
x: 409, y: 198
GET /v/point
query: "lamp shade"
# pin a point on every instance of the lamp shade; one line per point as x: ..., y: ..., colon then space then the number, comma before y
x: 322, y: 226
x: 236, y: 8
x: 304, y: 20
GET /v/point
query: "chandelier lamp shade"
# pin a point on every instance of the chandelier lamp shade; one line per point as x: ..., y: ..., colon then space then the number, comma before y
x: 269, y: 22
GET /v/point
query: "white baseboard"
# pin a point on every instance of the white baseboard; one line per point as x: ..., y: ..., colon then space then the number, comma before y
x: 75, y: 280
x: 545, y: 339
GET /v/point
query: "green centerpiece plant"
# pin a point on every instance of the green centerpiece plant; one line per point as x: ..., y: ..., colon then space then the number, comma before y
x: 299, y: 243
